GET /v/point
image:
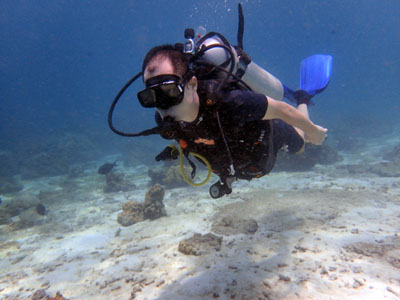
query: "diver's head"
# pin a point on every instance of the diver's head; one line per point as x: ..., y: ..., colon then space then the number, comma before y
x: 179, y: 60
x: 170, y: 87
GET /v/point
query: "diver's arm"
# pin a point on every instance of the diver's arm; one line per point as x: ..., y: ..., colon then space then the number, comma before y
x: 298, y: 118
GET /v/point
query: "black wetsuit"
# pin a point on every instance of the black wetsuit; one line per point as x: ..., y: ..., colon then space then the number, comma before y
x: 253, y: 143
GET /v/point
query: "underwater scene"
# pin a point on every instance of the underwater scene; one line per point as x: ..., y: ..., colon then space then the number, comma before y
x: 200, y: 207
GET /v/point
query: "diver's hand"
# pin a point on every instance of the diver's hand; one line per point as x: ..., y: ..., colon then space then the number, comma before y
x: 317, y: 135
x: 169, y: 153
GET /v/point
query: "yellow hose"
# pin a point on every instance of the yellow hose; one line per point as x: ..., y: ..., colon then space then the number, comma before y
x: 202, y: 158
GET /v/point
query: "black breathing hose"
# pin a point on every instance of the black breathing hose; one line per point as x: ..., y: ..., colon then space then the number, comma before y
x: 241, y: 27
x: 155, y: 130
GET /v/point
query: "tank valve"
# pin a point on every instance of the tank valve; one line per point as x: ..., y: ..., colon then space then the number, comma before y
x: 189, y: 44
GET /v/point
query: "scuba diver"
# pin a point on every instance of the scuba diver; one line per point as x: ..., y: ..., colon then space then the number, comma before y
x: 224, y: 109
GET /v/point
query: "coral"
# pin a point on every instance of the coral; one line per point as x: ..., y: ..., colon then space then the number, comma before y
x: 26, y: 219
x: 132, y: 212
x: 230, y: 225
x: 8, y: 164
x: 152, y: 208
x: 393, y: 155
x: 115, y: 182
x: 19, y: 203
x: 57, y: 297
x: 54, y: 156
x: 50, y: 196
x: 352, y: 134
x: 153, y: 203
x: 44, y: 164
x: 368, y: 249
x: 386, y: 169
x: 200, y: 244
x: 309, y: 158
x: 42, y: 295
x: 9, y: 185
x: 391, y: 166
x: 174, y: 177
x: 134, y: 153
x: 354, y: 168
x: 169, y: 176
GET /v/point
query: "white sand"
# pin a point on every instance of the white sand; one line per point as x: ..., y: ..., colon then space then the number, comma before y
x: 305, y: 222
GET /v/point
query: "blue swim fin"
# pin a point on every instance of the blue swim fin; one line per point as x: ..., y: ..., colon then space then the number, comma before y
x: 315, y: 73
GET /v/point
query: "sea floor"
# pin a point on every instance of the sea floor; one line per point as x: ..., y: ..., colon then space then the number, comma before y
x: 324, y: 234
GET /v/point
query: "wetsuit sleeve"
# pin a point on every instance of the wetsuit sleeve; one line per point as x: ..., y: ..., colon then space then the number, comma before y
x: 245, y: 105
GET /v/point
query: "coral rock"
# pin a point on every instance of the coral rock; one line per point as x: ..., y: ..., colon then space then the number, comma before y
x: 115, y: 182
x: 132, y: 212
x: 153, y: 203
x: 40, y: 295
x: 232, y: 225
x: 9, y: 185
x: 200, y: 244
x: 57, y: 297
x: 169, y: 177
x: 386, y: 169
x: 8, y: 164
x: 152, y: 208
x: 312, y: 155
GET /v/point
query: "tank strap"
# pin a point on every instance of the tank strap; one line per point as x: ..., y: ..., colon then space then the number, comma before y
x: 244, y: 61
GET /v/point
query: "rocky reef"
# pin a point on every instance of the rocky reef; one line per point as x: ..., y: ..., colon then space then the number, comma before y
x: 8, y: 164
x: 311, y: 156
x: 393, y: 155
x: 169, y: 176
x: 139, y: 152
x: 8, y: 170
x: 23, y: 207
x: 115, y: 182
x: 352, y: 134
x: 389, y: 167
x: 50, y: 156
x: 9, y: 185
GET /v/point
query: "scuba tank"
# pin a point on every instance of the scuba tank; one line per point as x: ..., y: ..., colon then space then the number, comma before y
x: 232, y: 63
x: 214, y: 49
x: 260, y: 81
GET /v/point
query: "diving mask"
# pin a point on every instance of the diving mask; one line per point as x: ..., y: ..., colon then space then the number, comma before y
x: 163, y: 91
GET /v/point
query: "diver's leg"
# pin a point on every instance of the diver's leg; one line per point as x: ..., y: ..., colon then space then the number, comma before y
x: 303, y: 108
x: 287, y: 137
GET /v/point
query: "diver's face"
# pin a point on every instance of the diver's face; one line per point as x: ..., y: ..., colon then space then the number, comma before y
x: 159, y: 77
x: 185, y: 110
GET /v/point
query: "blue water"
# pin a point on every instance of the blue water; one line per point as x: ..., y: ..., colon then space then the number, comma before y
x: 62, y: 62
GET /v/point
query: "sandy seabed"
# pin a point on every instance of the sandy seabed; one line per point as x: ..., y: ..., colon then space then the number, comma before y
x: 323, y: 234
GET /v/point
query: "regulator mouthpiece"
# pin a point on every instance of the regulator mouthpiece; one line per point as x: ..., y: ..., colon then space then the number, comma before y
x: 189, y: 47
